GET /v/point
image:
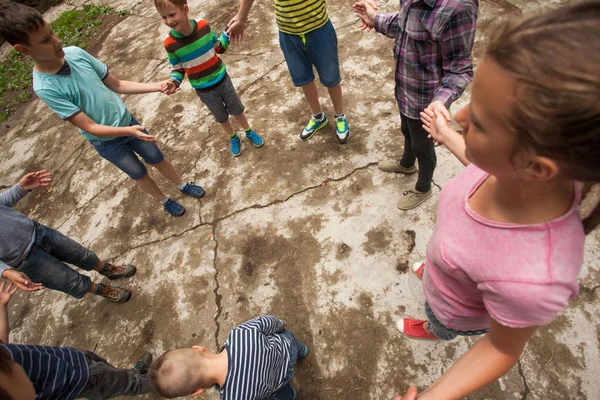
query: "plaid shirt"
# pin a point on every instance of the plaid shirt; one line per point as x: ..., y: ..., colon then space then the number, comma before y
x: 433, y: 46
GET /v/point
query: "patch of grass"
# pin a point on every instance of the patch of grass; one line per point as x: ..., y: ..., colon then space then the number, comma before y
x: 74, y: 28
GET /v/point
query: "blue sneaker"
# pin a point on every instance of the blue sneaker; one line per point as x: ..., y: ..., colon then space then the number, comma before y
x: 342, y: 129
x: 313, y: 126
x: 236, y: 146
x: 256, y: 140
x: 193, y: 190
x: 174, y: 208
x: 302, y: 352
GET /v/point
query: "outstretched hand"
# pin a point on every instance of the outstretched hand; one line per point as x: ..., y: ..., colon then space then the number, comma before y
x: 411, y: 394
x: 366, y: 10
x: 235, y: 30
x: 21, y: 280
x: 6, y: 292
x: 34, y: 180
x: 437, y: 127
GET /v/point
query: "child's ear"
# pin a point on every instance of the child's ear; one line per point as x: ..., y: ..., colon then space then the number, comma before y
x: 186, y: 9
x: 542, y: 169
x: 199, y: 348
x: 21, y: 49
x: 197, y: 392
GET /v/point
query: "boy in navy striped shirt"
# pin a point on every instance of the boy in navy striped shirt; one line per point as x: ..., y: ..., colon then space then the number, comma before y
x: 256, y: 362
x: 61, y: 373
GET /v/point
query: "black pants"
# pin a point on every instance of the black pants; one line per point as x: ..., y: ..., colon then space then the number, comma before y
x: 417, y: 146
x: 106, y: 381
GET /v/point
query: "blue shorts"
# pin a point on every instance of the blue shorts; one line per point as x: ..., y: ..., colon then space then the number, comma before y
x: 443, y: 332
x: 319, y: 48
x: 121, y: 151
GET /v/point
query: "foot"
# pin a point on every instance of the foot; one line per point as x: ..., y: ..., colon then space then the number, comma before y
x: 174, y: 208
x: 255, y: 139
x: 412, y: 198
x: 391, y: 165
x: 418, y: 269
x: 118, y: 271
x: 193, y: 190
x: 113, y: 293
x: 236, y: 146
x: 414, y: 328
x: 313, y: 126
x: 342, y: 129
x: 302, y: 352
x: 143, y: 364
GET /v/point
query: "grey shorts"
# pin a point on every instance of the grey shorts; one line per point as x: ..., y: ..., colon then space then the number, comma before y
x: 222, y: 101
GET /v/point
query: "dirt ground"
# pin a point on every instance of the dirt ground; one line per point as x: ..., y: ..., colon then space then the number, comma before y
x: 307, y: 231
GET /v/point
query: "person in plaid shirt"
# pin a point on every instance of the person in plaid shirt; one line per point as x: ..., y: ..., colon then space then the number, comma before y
x: 433, y: 43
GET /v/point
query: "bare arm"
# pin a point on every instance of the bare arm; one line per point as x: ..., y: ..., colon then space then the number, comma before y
x: 237, y: 25
x: 6, y: 292
x: 436, y: 125
x: 128, y: 87
x: 492, y: 357
x: 85, y: 123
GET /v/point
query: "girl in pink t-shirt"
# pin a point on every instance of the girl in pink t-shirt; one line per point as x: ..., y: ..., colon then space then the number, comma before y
x: 509, y: 241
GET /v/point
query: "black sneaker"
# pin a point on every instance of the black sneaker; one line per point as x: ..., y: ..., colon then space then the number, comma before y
x: 113, y: 293
x: 143, y: 364
x: 119, y: 271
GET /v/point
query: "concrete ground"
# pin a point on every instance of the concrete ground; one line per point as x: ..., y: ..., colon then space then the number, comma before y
x: 305, y: 231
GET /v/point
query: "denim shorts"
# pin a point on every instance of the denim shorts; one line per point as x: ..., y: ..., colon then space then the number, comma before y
x: 222, y: 100
x: 318, y: 48
x: 444, y: 333
x: 45, y: 262
x: 121, y: 151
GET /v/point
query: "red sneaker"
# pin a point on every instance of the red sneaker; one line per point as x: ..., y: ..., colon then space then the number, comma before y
x: 418, y: 269
x: 413, y: 328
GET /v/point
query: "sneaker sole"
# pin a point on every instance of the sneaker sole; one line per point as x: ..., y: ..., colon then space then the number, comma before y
x: 176, y: 216
x: 313, y: 132
x: 414, y: 205
x: 122, y: 276
x: 255, y: 145
x: 342, y: 141
x: 398, y: 171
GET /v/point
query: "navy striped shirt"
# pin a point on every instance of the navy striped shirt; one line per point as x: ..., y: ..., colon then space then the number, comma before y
x: 258, y: 358
x: 57, y: 373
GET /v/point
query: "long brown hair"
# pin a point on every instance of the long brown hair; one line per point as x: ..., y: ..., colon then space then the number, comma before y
x: 555, y: 58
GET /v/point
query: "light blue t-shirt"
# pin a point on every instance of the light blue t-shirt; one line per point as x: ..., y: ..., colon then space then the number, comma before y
x: 82, y: 91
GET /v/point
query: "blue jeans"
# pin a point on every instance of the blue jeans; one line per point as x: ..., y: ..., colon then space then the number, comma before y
x: 121, y: 151
x: 286, y: 392
x: 45, y: 262
x: 318, y: 48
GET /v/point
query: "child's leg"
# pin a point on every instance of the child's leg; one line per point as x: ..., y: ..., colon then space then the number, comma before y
x: 168, y: 170
x: 335, y: 92
x: 228, y: 128
x: 424, y: 149
x: 243, y: 121
x: 46, y: 269
x: 148, y: 185
x: 106, y: 381
x: 408, y: 156
x: 312, y: 97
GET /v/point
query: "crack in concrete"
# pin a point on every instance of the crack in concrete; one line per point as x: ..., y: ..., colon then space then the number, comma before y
x: 508, y: 6
x: 526, y: 391
x: 218, y: 296
x: 306, y: 189
x: 260, y: 77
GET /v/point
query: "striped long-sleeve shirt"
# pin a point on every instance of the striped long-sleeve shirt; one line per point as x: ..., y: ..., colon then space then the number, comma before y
x: 17, y: 232
x: 57, y: 373
x: 433, y: 47
x: 195, y: 56
x: 298, y: 17
x: 258, y: 357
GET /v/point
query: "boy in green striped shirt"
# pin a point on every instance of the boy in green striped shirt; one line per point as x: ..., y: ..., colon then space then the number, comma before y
x: 307, y: 38
x: 192, y: 48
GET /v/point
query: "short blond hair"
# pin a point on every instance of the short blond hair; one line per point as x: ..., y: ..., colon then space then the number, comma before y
x: 164, y: 3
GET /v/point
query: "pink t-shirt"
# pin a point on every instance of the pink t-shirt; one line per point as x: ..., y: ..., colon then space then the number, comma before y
x: 520, y: 275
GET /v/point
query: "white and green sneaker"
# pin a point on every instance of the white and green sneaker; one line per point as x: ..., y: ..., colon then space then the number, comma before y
x: 313, y: 126
x: 342, y: 129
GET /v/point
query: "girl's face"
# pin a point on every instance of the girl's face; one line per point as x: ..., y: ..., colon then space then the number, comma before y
x: 490, y: 144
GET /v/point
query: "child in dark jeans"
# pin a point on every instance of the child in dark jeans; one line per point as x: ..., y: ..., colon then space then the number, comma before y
x: 41, y: 372
x: 80, y: 89
x: 32, y: 252
x: 256, y: 362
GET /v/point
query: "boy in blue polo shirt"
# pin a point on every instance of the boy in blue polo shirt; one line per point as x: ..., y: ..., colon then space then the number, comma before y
x: 81, y: 90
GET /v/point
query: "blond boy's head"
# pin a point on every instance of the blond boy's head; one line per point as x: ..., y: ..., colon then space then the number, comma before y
x: 161, y: 4
x: 181, y: 372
